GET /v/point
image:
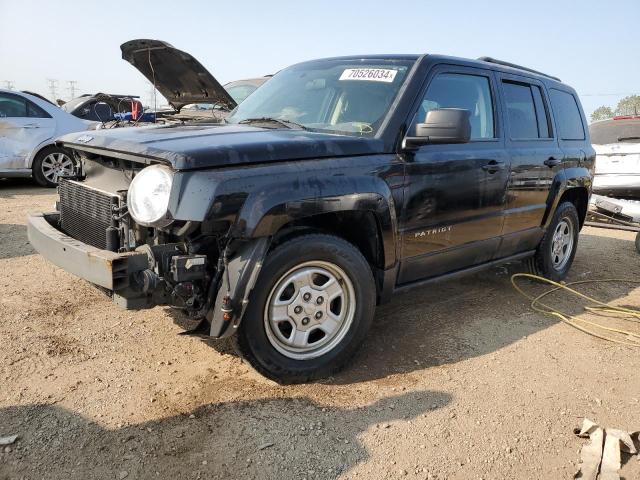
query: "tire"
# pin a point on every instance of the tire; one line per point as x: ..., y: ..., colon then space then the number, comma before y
x: 273, y: 337
x: 638, y: 242
x: 561, y: 235
x: 50, y: 163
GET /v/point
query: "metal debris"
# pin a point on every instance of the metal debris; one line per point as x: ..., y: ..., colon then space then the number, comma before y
x: 602, y: 454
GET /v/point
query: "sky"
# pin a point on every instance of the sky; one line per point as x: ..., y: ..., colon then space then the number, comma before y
x: 591, y: 45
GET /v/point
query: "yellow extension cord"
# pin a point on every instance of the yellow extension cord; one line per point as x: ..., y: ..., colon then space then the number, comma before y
x: 624, y: 337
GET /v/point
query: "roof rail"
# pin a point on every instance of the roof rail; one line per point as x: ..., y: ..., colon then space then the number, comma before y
x: 513, y: 65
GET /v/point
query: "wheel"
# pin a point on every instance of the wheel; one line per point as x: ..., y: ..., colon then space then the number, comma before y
x: 50, y: 164
x: 555, y: 253
x: 309, y: 311
x: 638, y: 242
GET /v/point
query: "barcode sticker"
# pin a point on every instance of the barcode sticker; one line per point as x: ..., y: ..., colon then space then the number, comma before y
x: 369, y: 74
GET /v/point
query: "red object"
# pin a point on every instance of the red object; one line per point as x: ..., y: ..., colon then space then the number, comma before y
x: 136, y: 109
x: 627, y: 117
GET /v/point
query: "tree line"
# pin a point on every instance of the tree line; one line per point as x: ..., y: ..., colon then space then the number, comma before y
x: 627, y: 106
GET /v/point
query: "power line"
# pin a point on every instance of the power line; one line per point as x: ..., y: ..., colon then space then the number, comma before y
x: 53, y: 88
x: 71, y: 87
x: 608, y: 94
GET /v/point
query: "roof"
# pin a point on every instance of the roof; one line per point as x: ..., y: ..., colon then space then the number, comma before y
x: 482, y: 62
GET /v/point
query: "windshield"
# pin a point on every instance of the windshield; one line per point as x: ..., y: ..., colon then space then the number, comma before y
x: 240, y: 92
x: 615, y: 131
x: 72, y: 104
x: 350, y: 97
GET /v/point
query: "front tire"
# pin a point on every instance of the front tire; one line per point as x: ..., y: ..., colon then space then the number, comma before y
x: 557, y: 249
x: 309, y: 311
x: 50, y: 164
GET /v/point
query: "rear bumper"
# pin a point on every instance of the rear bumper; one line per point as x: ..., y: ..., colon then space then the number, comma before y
x: 109, y: 270
x: 617, y: 183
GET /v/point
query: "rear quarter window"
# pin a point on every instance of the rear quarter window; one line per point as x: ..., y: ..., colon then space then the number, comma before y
x: 567, y: 115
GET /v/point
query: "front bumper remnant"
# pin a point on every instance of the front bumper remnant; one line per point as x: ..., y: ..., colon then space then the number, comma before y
x: 110, y: 270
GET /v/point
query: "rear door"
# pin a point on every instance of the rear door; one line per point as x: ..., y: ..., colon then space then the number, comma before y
x: 535, y: 158
x: 23, y: 126
x: 455, y: 194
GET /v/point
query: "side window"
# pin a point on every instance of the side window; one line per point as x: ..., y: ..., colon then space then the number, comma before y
x: 456, y: 90
x: 567, y: 115
x: 34, y: 111
x: 521, y: 111
x: 12, y: 106
x: 541, y: 113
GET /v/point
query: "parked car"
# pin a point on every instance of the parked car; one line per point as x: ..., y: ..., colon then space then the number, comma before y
x: 617, y: 144
x: 336, y: 185
x: 241, y: 89
x: 29, y: 125
x: 103, y: 107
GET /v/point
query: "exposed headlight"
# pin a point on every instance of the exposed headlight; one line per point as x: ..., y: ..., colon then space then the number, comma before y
x: 148, y: 197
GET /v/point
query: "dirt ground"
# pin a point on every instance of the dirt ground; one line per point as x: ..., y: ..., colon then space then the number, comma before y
x: 458, y: 380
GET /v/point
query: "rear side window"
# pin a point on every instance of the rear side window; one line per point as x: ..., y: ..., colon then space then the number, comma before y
x: 567, y: 115
x: 458, y: 90
x: 35, y: 111
x: 526, y: 111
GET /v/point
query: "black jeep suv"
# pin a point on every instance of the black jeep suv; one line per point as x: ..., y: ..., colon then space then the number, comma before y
x: 337, y: 184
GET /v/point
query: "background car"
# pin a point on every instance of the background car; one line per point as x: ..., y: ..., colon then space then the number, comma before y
x: 101, y: 107
x: 29, y: 126
x: 617, y: 144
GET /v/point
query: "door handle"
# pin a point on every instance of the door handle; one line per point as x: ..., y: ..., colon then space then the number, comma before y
x: 493, y: 166
x: 552, y: 162
x: 32, y: 125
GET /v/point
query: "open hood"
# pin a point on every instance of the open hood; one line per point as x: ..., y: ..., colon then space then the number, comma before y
x: 179, y: 77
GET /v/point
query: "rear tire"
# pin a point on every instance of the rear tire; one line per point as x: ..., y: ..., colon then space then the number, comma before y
x: 557, y: 249
x: 50, y: 164
x: 309, y: 311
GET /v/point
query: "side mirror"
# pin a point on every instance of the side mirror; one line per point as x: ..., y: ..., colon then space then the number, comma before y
x: 443, y: 125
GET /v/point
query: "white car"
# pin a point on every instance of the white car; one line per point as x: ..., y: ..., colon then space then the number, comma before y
x: 29, y: 126
x: 617, y: 145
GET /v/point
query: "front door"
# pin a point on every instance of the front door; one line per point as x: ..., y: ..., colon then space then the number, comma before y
x: 455, y: 194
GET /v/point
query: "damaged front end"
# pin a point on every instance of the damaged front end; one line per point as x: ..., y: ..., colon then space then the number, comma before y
x: 142, y: 258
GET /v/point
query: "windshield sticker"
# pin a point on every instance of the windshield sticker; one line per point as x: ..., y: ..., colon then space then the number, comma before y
x: 369, y: 74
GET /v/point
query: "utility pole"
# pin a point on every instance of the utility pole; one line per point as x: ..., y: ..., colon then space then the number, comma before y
x: 8, y: 84
x: 71, y: 88
x: 53, y: 88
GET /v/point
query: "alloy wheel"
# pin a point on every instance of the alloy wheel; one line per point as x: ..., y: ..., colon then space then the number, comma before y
x: 56, y: 165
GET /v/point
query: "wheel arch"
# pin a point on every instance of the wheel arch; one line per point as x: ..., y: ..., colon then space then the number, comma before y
x: 347, y: 205
x: 573, y: 185
x: 579, y: 196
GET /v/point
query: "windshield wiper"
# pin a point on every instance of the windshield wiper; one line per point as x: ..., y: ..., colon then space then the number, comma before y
x: 279, y: 121
x: 622, y: 139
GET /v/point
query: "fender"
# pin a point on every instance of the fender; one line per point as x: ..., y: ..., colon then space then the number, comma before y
x: 242, y: 273
x: 268, y: 209
x: 565, y: 179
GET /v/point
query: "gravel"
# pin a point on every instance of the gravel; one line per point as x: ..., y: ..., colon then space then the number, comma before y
x: 458, y: 380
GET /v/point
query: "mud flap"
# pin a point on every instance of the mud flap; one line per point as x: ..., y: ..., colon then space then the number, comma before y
x: 243, y: 270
